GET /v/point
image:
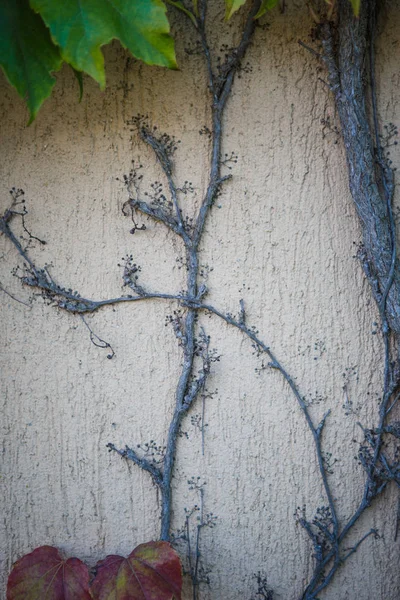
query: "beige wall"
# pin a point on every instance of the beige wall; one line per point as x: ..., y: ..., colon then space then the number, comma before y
x: 282, y: 237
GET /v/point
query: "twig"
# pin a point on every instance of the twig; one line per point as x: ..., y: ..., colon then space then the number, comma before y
x: 97, y: 341
x: 3, y: 289
x: 141, y: 462
x: 309, y: 49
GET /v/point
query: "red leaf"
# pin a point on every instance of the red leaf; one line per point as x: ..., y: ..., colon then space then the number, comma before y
x: 44, y: 575
x: 152, y: 571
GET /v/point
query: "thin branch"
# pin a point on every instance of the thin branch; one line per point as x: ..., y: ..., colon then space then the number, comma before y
x: 309, y: 49
x: 6, y: 230
x: 3, y: 289
x: 166, y: 165
x: 397, y: 519
x: 322, y: 423
x: 157, y: 214
x: 140, y: 461
x: 220, y: 94
x: 97, y: 341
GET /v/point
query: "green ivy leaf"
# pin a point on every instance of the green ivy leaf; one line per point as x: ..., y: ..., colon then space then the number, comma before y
x: 195, y: 7
x: 27, y: 54
x: 179, y: 5
x: 356, y: 4
x: 232, y: 6
x: 266, y: 5
x: 79, y: 79
x: 81, y: 27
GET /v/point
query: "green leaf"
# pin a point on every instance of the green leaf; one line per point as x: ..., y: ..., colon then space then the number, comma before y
x: 46, y: 575
x: 151, y: 572
x: 266, y: 5
x: 195, y: 7
x: 232, y: 6
x: 81, y: 27
x: 182, y: 8
x: 27, y: 54
x: 79, y: 78
x: 356, y: 4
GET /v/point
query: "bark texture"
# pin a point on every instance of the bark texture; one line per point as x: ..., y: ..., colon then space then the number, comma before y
x: 347, y: 54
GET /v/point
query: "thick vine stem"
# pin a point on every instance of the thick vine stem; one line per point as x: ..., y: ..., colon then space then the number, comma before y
x: 346, y: 55
x: 347, y: 50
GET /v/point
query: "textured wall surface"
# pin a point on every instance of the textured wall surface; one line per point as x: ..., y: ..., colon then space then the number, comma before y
x: 282, y: 237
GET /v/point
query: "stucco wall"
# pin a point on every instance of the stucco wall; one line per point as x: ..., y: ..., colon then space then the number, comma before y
x: 282, y: 237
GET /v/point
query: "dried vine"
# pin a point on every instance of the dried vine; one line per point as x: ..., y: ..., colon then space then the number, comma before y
x: 347, y: 46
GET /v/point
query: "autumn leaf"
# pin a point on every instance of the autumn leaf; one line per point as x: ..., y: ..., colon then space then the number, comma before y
x: 44, y: 574
x: 151, y: 572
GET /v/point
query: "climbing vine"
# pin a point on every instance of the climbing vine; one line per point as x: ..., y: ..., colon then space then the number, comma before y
x: 345, y: 47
